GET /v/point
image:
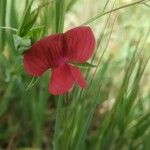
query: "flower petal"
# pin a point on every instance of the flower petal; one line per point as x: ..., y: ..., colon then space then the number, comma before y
x: 79, y: 43
x: 61, y: 80
x: 77, y: 75
x: 43, y: 54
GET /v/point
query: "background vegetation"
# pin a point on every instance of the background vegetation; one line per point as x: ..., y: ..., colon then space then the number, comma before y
x: 112, y: 113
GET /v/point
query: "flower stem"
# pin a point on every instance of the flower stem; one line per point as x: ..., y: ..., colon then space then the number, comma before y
x: 58, y: 122
x: 60, y: 9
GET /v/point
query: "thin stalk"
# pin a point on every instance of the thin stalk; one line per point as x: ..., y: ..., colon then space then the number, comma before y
x: 58, y: 122
x: 110, y: 11
x: 99, y: 62
x: 60, y: 9
x: 103, y: 31
x: 3, y: 5
x: 4, y: 103
x: 81, y: 138
x: 9, y: 28
x: 32, y: 83
x: 98, y: 44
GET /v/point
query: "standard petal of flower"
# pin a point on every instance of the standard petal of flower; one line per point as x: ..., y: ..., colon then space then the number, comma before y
x: 77, y: 75
x: 79, y: 43
x: 43, y: 54
x: 61, y: 80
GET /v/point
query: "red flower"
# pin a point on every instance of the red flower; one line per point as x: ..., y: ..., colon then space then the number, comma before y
x: 57, y: 52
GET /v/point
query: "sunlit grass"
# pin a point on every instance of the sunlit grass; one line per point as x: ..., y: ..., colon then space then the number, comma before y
x: 112, y: 112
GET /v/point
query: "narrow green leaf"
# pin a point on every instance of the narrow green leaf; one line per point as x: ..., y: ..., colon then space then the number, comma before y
x: 26, y: 16
x: 28, y: 23
x: 29, y: 18
x: 32, y: 83
x: 85, y: 65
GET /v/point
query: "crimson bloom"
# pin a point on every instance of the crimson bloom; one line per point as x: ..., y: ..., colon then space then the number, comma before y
x: 57, y: 52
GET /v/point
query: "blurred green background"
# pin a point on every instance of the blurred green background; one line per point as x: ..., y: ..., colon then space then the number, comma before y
x: 112, y: 113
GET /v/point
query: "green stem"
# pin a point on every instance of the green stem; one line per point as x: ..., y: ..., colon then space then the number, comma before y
x: 9, y: 28
x: 4, y: 103
x: 113, y: 10
x: 60, y: 9
x: 58, y: 122
x: 3, y: 5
